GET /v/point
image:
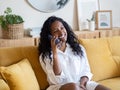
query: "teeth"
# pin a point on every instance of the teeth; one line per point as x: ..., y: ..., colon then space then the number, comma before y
x: 62, y: 36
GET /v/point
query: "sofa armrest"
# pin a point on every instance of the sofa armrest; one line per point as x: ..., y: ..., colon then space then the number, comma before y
x: 3, y: 85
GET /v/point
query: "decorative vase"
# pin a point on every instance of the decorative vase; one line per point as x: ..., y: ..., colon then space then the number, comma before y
x: 92, y: 25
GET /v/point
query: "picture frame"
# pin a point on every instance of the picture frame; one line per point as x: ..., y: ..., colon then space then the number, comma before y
x: 104, y: 20
x: 85, y: 10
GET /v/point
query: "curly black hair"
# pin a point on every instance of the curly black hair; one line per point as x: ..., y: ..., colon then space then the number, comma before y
x: 44, y: 44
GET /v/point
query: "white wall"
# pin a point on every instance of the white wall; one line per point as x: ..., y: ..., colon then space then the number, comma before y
x: 86, y: 8
x: 113, y: 5
x: 34, y: 18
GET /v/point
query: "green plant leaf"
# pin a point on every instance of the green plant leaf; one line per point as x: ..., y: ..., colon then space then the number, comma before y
x: 8, y: 10
x: 9, y: 18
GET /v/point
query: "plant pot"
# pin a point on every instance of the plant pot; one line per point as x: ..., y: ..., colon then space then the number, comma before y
x: 92, y: 25
x: 14, y: 31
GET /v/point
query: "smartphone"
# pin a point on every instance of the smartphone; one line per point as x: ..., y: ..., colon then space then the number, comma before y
x: 56, y: 41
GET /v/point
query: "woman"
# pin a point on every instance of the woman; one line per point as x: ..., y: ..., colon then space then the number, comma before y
x: 63, y: 58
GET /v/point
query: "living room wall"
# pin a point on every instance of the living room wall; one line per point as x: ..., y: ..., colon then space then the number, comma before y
x: 34, y: 18
x: 115, y: 7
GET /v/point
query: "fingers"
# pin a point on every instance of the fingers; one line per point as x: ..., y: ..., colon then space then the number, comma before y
x: 55, y: 40
x: 83, y: 87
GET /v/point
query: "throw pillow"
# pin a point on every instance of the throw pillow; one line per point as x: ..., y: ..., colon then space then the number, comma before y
x: 3, y: 85
x: 20, y: 76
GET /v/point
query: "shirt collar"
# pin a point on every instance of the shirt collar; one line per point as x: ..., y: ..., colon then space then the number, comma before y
x: 66, y: 50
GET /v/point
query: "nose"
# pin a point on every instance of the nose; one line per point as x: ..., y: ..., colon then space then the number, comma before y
x: 60, y: 32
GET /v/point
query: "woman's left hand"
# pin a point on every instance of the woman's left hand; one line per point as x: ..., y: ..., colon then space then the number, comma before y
x: 83, y: 87
x: 83, y: 82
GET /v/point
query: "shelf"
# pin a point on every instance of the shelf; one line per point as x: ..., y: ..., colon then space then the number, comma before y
x: 17, y: 42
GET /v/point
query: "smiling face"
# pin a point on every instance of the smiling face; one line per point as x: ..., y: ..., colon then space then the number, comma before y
x: 58, y: 30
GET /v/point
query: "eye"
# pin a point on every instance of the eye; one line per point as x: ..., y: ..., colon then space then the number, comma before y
x: 54, y: 31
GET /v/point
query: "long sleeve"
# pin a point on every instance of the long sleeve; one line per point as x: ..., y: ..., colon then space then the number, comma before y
x: 51, y: 77
x: 85, y: 65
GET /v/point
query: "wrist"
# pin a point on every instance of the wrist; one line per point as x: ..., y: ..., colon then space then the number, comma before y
x: 54, y: 56
x: 83, y: 80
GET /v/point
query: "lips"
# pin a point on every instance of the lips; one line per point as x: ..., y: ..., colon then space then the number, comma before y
x: 62, y: 36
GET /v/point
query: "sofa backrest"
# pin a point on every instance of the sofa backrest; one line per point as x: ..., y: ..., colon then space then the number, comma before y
x: 114, y: 45
x: 100, y: 58
x: 103, y: 55
x: 10, y: 56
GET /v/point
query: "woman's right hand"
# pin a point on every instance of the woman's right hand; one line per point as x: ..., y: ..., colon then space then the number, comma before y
x: 53, y: 45
x: 56, y: 67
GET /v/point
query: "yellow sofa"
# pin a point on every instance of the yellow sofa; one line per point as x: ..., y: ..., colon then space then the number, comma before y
x: 103, y: 55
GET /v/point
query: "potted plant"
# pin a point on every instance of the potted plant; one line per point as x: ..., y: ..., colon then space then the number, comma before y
x: 91, y: 22
x: 11, y: 24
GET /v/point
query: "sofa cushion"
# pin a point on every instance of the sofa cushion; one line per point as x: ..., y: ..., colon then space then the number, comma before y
x: 12, y: 55
x: 20, y: 76
x: 114, y: 44
x: 113, y: 83
x: 100, y: 58
x: 3, y: 85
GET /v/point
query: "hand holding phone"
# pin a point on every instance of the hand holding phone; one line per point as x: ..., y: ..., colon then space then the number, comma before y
x: 56, y: 41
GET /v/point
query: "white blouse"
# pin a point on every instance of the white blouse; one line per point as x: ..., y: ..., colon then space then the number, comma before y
x: 73, y: 67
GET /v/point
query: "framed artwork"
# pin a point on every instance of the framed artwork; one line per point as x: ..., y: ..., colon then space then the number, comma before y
x: 104, y: 20
x: 86, y: 8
